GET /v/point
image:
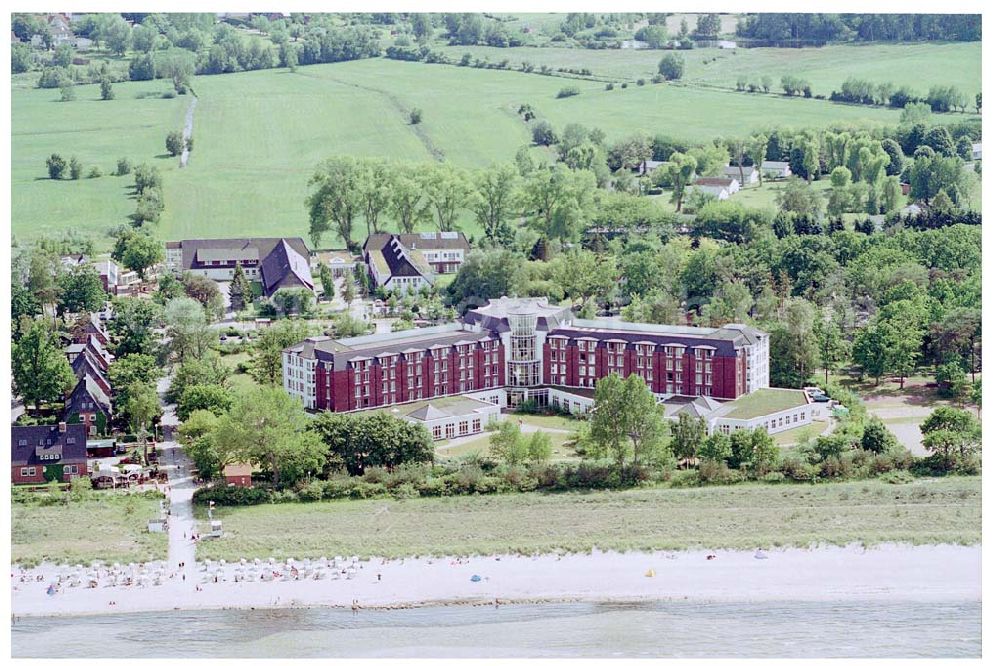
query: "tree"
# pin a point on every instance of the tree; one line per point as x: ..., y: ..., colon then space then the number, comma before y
x: 187, y: 328
x: 115, y: 33
x: 39, y: 368
x: 496, y: 193
x: 676, y: 174
x: 627, y: 419
x: 485, y: 275
x: 326, y: 279
x: 241, y: 292
x: 107, y: 91
x: 905, y: 321
x: 336, y: 200
x: 709, y: 25
x: 209, y: 397
x: 140, y: 409
x: 559, y: 201
x: 357, y: 442
x: 543, y: 134
x: 794, y: 351
x: 137, y: 250
x: 507, y: 444
x: 447, y: 191
x: 407, y: 201
x: 56, y: 166
x: 757, y: 149
x: 716, y: 447
x: 896, y: 159
x: 67, y: 92
x: 711, y: 159
x: 951, y: 435
x: 132, y: 328
x: 688, y: 433
x: 876, y: 438
x: 267, y: 426
x: 672, y: 66
x: 205, y: 371
x: 831, y: 344
x: 265, y: 356
x: 195, y: 437
x: 374, y: 191
x: 130, y: 372
x: 21, y: 58
x: 175, y: 142
x: 539, y: 446
x: 205, y: 290
x: 80, y: 290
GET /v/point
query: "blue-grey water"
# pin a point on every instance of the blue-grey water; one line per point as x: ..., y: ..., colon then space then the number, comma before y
x: 655, y: 629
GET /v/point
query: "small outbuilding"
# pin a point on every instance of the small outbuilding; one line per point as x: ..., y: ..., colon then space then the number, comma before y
x: 238, y: 474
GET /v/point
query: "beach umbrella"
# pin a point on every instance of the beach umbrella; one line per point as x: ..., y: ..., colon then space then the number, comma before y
x: 222, y: 562
x: 243, y: 561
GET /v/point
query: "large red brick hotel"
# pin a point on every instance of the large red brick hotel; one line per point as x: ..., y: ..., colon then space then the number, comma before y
x: 516, y: 349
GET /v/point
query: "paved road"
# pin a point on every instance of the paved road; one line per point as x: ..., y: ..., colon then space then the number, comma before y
x: 180, y: 474
x: 188, y: 127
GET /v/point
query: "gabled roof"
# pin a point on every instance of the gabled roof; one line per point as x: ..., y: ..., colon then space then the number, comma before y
x: 429, y: 240
x: 87, y: 387
x: 285, y: 267
x: 716, y: 182
x: 196, y: 251
x: 71, y: 445
x: 83, y: 366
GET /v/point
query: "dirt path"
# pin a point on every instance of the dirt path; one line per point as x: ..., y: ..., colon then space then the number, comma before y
x: 188, y: 128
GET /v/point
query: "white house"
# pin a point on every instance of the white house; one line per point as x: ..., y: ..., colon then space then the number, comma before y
x: 773, y: 169
x: 977, y: 151
x: 726, y: 185
x: 750, y: 174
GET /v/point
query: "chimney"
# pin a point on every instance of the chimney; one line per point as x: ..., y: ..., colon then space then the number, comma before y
x: 62, y: 426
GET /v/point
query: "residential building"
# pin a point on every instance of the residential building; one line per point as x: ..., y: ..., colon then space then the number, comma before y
x: 117, y: 281
x: 648, y: 166
x: 402, y: 262
x: 977, y: 150
x: 772, y: 169
x: 517, y: 349
x: 276, y: 263
x: 89, y: 404
x: 750, y: 174
x: 45, y: 452
x: 340, y: 262
x: 718, y: 188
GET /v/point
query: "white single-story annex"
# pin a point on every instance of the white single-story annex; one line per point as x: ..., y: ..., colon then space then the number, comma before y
x: 450, y: 417
x: 773, y: 169
x: 774, y: 409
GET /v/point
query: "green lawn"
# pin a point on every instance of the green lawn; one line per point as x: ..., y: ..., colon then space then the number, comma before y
x: 111, y: 527
x: 765, y: 401
x: 917, y: 65
x: 745, y: 516
x: 259, y: 135
x: 97, y: 133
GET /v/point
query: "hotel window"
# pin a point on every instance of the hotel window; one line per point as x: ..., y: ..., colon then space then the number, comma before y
x: 436, y: 432
x: 463, y: 428
x: 477, y: 425
x: 616, y: 358
x: 449, y: 430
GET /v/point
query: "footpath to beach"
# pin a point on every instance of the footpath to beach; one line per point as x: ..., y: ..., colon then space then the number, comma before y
x: 889, y: 572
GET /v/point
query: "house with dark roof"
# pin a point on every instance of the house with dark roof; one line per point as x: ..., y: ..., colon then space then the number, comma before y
x: 87, y: 326
x: 276, y: 263
x: 84, y: 366
x: 89, y: 404
x: 413, y: 256
x: 775, y: 169
x: 45, y: 452
x: 749, y: 174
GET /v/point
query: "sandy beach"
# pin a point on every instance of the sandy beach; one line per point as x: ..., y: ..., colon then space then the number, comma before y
x: 888, y: 572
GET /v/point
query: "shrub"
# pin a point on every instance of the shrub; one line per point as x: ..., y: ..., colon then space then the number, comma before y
x: 432, y: 487
x: 773, y: 477
x: 686, y: 478
x: 375, y: 475
x: 416, y: 116
x: 233, y: 495
x: 311, y: 492
x: 711, y: 471
x: 609, y: 86
x: 405, y: 491
x: 124, y: 167
x: 95, y: 172
x: 568, y: 91
x: 897, y: 477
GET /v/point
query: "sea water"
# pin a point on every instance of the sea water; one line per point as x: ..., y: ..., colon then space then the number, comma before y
x: 653, y: 629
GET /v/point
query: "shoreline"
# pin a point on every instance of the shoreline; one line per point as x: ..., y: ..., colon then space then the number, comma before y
x: 825, y: 573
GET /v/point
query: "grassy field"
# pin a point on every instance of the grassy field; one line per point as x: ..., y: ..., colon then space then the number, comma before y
x: 930, y: 511
x: 110, y: 528
x: 794, y: 436
x: 916, y: 65
x: 259, y: 135
x: 96, y: 132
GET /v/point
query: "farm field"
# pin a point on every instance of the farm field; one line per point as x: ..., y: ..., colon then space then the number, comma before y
x: 98, y: 133
x: 929, y: 511
x: 110, y: 527
x: 916, y: 65
x: 260, y: 135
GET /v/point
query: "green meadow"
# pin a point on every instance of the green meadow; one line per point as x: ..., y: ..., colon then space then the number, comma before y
x: 259, y: 135
x: 748, y: 516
